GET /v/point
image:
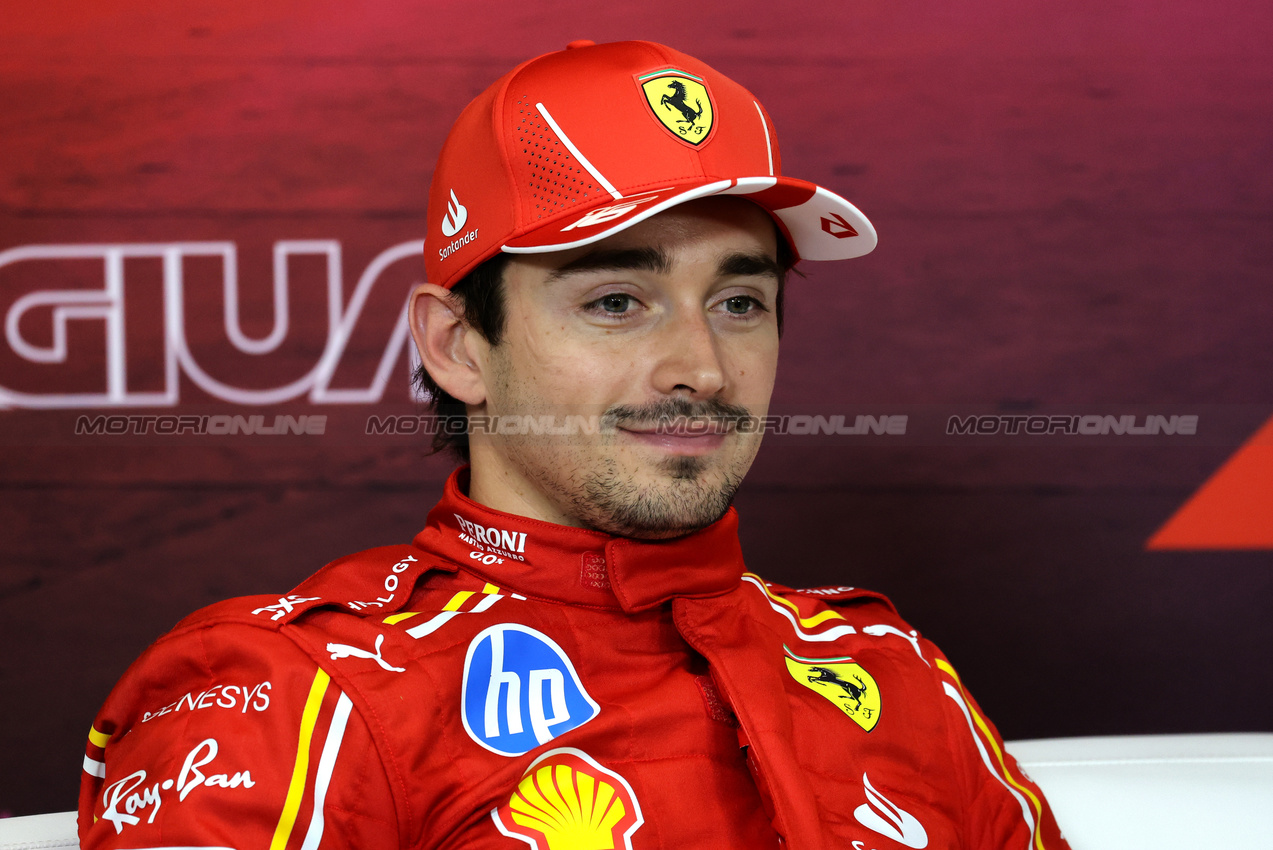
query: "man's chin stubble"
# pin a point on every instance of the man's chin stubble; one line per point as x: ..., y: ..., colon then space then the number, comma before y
x: 681, y: 506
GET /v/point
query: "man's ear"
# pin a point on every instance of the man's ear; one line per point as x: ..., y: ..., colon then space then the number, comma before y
x: 450, y: 350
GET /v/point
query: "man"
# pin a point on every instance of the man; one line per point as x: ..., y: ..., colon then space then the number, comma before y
x: 572, y: 654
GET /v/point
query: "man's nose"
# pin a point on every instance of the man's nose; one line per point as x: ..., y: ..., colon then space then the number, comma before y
x: 688, y: 356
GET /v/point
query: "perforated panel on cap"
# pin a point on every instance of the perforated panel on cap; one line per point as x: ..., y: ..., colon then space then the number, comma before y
x: 553, y: 178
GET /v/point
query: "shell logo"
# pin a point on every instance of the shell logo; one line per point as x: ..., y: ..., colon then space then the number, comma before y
x: 567, y: 801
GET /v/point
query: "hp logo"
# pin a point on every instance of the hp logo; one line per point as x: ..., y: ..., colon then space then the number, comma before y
x: 520, y: 690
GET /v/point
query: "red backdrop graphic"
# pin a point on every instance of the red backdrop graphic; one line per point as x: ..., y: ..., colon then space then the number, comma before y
x: 1233, y: 509
x: 213, y: 210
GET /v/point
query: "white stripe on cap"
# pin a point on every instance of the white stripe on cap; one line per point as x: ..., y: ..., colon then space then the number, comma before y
x: 750, y: 185
x: 583, y: 160
x: 769, y: 148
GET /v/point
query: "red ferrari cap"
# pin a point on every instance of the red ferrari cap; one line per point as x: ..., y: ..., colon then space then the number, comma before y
x: 577, y: 145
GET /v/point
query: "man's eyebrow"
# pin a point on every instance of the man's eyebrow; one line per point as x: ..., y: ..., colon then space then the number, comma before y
x: 750, y: 265
x: 617, y: 259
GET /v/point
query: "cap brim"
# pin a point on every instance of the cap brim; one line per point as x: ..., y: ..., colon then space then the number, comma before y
x: 819, y: 223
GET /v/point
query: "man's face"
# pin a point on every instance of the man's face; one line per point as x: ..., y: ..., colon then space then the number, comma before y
x: 665, y: 334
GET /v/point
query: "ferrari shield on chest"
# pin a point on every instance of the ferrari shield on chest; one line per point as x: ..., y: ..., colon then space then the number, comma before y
x: 520, y: 690
x: 842, y: 682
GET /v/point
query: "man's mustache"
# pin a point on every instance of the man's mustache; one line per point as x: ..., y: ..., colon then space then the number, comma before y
x: 676, y: 414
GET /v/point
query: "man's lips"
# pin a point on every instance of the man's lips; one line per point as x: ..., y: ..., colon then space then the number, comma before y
x: 683, y: 438
x: 683, y: 428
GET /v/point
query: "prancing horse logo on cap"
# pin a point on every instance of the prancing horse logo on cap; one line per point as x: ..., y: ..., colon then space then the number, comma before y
x: 680, y: 102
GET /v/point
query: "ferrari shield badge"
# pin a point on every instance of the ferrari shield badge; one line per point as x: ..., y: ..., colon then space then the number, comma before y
x: 680, y: 102
x: 842, y: 682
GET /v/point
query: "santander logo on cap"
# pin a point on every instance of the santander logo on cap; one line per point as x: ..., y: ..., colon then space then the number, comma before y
x: 456, y: 215
x: 453, y: 222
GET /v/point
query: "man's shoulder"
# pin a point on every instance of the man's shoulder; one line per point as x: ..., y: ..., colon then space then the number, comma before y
x: 236, y: 639
x: 371, y: 582
x: 837, y: 596
x: 828, y: 613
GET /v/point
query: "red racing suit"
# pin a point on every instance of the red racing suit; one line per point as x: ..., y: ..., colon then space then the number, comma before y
x: 504, y: 681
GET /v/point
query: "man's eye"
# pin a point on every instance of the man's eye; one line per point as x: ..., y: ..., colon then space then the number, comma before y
x: 741, y: 304
x: 617, y: 302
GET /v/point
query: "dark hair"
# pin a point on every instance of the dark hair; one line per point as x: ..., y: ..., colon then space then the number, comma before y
x: 479, y: 300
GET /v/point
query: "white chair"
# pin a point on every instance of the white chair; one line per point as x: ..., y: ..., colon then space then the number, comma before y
x: 39, y: 832
x: 1149, y: 792
x: 1136, y: 792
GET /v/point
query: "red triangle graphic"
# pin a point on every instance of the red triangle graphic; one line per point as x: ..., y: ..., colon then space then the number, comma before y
x: 1233, y: 509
